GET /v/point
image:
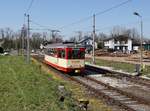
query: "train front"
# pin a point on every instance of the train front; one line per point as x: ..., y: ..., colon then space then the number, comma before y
x: 75, y: 59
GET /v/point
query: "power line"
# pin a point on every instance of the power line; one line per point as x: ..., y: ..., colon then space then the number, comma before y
x: 39, y: 24
x: 38, y: 29
x: 29, y: 7
x: 84, y: 19
x: 113, y: 7
x: 77, y: 22
x: 27, y: 10
x: 98, y: 13
x: 45, y: 27
x: 42, y: 26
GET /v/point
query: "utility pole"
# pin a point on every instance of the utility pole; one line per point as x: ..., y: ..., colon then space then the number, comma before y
x: 28, y: 40
x: 16, y: 45
x: 94, y: 39
x: 22, y: 37
x: 141, y: 44
x: 141, y: 40
x: 23, y: 42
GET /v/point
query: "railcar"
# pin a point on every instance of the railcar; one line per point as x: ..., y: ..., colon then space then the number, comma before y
x: 65, y: 57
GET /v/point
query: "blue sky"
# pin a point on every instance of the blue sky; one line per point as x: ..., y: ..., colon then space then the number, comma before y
x: 57, y: 13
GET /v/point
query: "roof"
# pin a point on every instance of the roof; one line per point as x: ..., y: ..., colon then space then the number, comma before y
x: 120, y: 37
x: 85, y: 39
x: 63, y: 45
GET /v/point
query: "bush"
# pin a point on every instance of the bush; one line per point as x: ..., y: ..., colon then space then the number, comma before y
x: 1, y: 50
x: 110, y: 50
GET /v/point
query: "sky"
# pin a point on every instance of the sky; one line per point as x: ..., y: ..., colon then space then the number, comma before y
x: 55, y: 14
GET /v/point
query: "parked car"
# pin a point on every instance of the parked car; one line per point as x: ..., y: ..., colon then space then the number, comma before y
x: 5, y: 53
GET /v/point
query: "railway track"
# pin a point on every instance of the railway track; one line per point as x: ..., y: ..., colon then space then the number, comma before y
x: 113, y: 95
x: 122, y: 85
x: 119, y: 75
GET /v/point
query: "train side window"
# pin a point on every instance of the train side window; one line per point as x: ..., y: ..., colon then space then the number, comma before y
x: 55, y: 53
x: 63, y: 53
x: 51, y: 52
x: 69, y: 53
x: 59, y: 53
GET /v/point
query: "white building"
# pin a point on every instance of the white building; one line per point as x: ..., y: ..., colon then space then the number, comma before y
x: 121, y: 43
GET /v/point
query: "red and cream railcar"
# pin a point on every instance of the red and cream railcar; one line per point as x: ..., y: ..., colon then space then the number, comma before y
x: 65, y: 57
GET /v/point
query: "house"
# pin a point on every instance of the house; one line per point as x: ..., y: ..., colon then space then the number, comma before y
x: 120, y: 43
x: 137, y: 44
x: 88, y: 43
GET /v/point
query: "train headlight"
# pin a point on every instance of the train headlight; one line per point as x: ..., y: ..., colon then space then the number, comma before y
x: 77, y: 71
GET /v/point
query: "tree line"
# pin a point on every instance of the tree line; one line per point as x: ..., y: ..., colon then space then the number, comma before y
x: 114, y: 32
x: 17, y: 39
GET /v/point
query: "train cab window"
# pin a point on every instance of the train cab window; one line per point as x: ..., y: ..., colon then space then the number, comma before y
x: 76, y: 54
x: 82, y: 54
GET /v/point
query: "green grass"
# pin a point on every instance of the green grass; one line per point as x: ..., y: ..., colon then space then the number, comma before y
x: 117, y: 65
x: 127, y: 67
x: 24, y: 87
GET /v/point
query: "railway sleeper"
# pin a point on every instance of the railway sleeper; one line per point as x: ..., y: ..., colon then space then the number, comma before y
x: 139, y: 107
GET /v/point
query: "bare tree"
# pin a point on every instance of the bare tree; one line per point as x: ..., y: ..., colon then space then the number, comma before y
x: 118, y: 30
x: 36, y: 40
x: 102, y: 36
x: 73, y: 39
x: 79, y: 35
x: 2, y: 33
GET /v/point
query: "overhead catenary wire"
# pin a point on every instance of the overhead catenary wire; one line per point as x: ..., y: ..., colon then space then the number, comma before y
x: 113, y: 7
x: 30, y: 6
x: 27, y: 11
x: 96, y: 14
x: 81, y: 20
x: 42, y: 26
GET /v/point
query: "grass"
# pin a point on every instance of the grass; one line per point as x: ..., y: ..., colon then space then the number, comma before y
x: 24, y: 87
x: 127, y: 67
x: 79, y: 92
x: 94, y: 103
